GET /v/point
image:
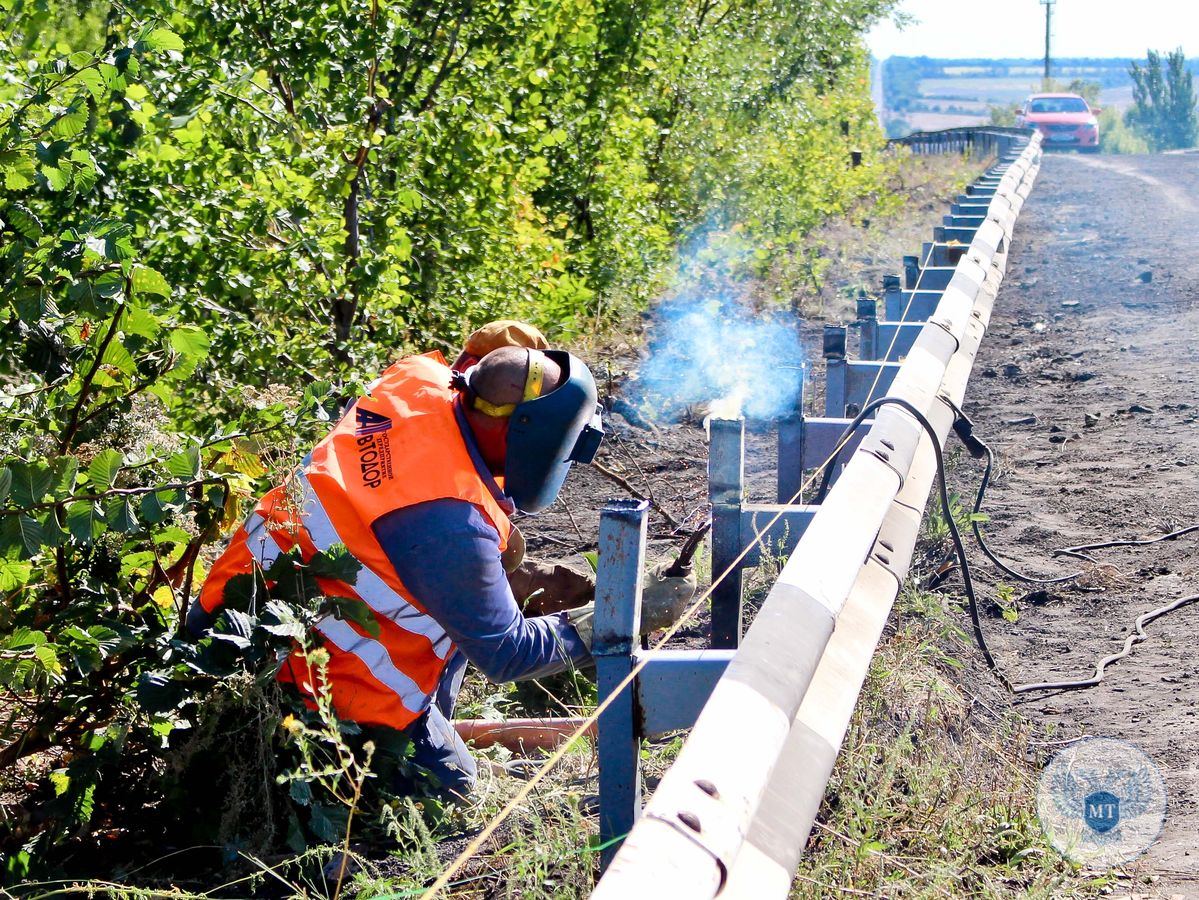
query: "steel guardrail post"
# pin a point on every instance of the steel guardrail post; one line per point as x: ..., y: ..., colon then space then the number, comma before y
x: 726, y: 492
x: 615, y: 627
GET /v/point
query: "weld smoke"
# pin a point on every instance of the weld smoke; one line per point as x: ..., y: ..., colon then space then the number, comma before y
x: 707, y: 344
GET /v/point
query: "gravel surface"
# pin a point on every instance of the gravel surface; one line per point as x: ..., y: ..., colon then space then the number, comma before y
x: 1094, y: 335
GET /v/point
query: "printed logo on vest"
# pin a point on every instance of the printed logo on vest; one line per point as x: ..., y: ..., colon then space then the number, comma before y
x: 374, y: 449
x: 370, y: 422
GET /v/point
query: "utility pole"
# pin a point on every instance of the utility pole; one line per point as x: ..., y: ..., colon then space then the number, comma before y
x: 1048, y: 4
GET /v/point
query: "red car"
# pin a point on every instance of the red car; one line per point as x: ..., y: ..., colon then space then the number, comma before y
x: 1064, y: 120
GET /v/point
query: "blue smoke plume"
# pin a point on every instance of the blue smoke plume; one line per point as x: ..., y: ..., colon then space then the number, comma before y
x: 707, y: 342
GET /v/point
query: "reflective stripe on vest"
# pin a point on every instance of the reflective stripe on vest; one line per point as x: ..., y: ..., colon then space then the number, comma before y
x: 376, y: 658
x: 370, y: 587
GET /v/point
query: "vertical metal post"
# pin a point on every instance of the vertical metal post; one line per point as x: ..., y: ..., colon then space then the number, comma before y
x: 726, y: 485
x: 615, y: 628
x: 892, y: 298
x: 836, y: 374
x: 868, y: 326
x: 791, y: 441
x: 911, y: 272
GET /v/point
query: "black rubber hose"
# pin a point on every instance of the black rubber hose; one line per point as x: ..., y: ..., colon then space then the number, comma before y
x: 967, y: 581
x: 967, y: 435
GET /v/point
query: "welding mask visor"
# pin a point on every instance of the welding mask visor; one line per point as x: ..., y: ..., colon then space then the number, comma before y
x: 547, y: 434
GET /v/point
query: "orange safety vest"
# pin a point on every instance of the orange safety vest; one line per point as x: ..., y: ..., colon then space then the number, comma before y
x: 399, y: 445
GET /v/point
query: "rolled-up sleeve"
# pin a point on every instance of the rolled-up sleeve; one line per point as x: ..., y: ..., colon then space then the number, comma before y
x: 448, y: 556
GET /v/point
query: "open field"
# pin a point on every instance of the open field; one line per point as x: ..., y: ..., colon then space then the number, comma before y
x: 997, y: 91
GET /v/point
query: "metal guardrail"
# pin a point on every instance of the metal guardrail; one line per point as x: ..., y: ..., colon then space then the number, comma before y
x: 732, y: 814
x: 986, y: 139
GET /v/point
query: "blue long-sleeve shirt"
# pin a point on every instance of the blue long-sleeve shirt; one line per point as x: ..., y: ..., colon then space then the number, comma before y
x: 448, y: 555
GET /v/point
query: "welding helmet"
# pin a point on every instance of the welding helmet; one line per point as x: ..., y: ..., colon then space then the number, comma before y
x: 546, y: 433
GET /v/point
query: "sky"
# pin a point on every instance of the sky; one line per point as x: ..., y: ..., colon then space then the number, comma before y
x: 1016, y: 28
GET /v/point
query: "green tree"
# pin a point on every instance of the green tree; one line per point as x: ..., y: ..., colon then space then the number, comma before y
x: 216, y: 219
x: 1163, y: 95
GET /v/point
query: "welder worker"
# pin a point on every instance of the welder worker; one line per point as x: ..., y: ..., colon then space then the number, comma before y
x: 419, y: 480
x: 540, y: 586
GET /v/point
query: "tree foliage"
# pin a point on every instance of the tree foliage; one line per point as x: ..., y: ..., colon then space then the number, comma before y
x: 217, y: 216
x: 1163, y: 95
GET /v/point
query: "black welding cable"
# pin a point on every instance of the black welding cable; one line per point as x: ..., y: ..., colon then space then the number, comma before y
x: 964, y: 429
x: 1135, y: 637
x: 955, y: 535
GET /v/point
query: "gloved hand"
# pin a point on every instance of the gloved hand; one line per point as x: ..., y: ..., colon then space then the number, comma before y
x: 663, y: 599
x: 541, y: 588
x: 514, y: 554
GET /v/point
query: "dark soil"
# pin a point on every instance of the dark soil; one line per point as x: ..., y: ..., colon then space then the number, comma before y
x: 1094, y: 334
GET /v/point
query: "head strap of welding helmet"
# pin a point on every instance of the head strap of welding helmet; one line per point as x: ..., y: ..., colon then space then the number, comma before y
x: 534, y: 380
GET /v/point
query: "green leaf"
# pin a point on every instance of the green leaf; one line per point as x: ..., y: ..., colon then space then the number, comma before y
x: 323, y: 824
x: 21, y: 532
x: 26, y: 223
x: 141, y: 322
x: 94, y: 82
x: 149, y: 281
x: 30, y: 483
x: 117, y: 356
x: 85, y: 521
x: 104, y: 468
x: 301, y: 792
x: 185, y: 465
x: 65, y: 469
x: 354, y: 610
x: 286, y: 623
x: 24, y: 639
x: 13, y: 574
x: 52, y: 533
x: 190, y: 342
x: 160, y: 39
x: 157, y: 692
x: 71, y: 122
x: 5, y: 483
x: 158, y: 505
x: 119, y: 516
x: 337, y: 563
x: 56, y: 179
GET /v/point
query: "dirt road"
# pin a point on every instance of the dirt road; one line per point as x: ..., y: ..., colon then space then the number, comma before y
x: 1095, y: 335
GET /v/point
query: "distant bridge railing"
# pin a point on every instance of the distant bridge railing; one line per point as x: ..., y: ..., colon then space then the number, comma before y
x: 733, y: 813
